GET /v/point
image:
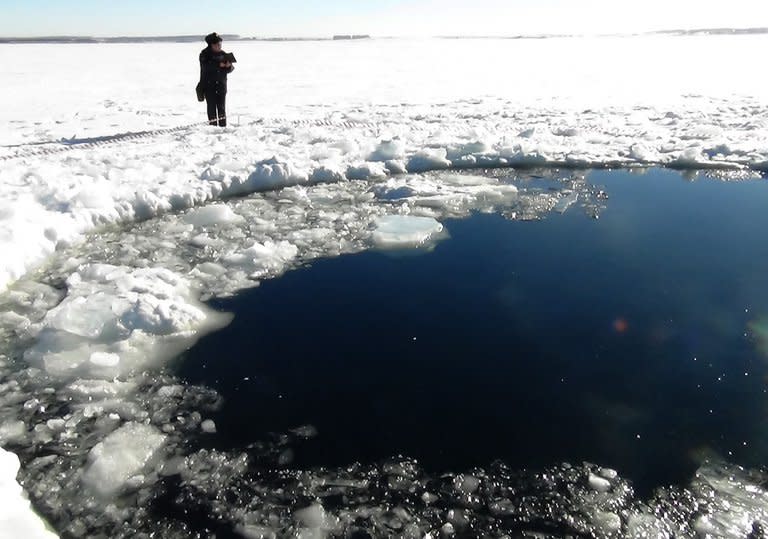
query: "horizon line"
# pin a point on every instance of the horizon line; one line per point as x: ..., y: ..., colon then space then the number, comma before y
x: 325, y: 37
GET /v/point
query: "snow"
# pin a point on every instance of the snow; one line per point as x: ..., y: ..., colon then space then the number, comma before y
x: 16, y: 517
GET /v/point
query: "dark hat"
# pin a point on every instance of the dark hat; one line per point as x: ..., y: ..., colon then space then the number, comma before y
x: 213, y: 38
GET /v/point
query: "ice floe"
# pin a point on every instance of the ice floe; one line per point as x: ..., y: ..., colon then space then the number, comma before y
x: 394, y: 231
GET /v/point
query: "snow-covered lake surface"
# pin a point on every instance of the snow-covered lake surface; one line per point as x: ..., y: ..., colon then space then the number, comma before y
x: 110, y: 251
x: 312, y: 112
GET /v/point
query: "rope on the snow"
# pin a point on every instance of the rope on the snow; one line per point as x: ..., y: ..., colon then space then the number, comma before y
x: 97, y: 142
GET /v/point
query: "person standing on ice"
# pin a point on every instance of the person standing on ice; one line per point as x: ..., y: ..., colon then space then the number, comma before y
x: 214, y: 68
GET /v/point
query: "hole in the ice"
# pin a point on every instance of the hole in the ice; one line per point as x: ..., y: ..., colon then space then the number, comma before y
x: 613, y: 341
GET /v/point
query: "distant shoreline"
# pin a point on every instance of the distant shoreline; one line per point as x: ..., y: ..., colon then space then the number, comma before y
x: 166, y: 39
x: 63, y: 40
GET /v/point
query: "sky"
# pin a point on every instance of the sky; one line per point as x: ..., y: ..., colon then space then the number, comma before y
x: 310, y: 18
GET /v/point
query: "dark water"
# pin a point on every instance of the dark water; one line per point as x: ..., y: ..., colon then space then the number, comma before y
x: 629, y: 341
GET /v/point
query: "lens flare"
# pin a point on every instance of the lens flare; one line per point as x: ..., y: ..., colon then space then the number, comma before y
x: 759, y: 332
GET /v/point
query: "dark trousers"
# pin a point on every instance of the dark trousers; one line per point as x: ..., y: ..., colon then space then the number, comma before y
x: 217, y: 114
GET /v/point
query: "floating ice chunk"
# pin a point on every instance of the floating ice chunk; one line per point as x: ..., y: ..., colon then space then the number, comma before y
x: 103, y: 359
x: 428, y: 498
x: 14, y: 320
x: 703, y: 526
x: 404, y: 231
x: 449, y: 194
x: 12, y: 431
x: 120, y: 318
x: 737, y: 500
x: 208, y: 426
x: 599, y: 484
x: 56, y: 425
x: 57, y: 359
x: 256, y: 532
x: 468, y: 484
x: 100, y: 389
x: 566, y: 202
x: 85, y: 316
x: 306, y: 432
x: 214, y: 214
x: 168, y: 392
x: 202, y: 240
x: 211, y: 269
x: 312, y: 533
x: 645, y: 526
x: 17, y: 519
x: 161, y: 316
x: 313, y: 516
x: 467, y: 180
x: 122, y: 454
x: 607, y: 522
x: 263, y: 258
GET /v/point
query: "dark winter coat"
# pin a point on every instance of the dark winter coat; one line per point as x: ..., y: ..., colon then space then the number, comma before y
x: 213, y: 78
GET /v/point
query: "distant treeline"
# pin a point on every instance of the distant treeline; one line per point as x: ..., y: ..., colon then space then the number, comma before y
x: 520, y: 36
x: 694, y: 32
x: 87, y: 39
x: 716, y: 31
x: 334, y: 38
x: 164, y: 39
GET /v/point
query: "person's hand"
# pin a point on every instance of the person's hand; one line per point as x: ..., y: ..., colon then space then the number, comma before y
x: 225, y: 65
